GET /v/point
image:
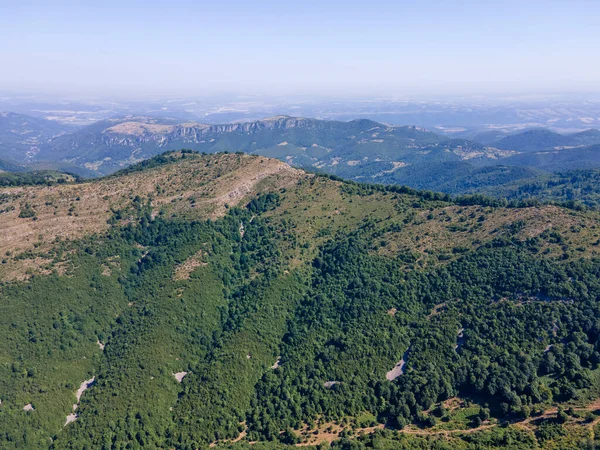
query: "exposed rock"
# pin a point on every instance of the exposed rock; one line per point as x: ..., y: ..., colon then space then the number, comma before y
x: 179, y: 376
x: 398, y: 368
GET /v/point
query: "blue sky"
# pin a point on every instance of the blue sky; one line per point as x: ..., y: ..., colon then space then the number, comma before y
x: 320, y: 47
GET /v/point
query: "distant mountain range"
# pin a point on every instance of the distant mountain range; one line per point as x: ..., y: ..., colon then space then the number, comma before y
x: 22, y: 136
x: 539, y: 140
x: 361, y: 150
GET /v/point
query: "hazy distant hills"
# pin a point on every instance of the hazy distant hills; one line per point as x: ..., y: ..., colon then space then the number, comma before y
x: 579, y: 158
x: 9, y: 166
x: 541, y: 140
x: 21, y: 137
x: 112, y: 144
x: 331, y: 146
x: 551, y: 151
x: 469, y: 118
x: 361, y: 150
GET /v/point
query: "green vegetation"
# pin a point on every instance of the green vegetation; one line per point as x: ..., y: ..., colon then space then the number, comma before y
x: 155, y: 161
x: 342, y: 333
x: 36, y: 178
x: 537, y: 140
x: 577, y: 188
x: 519, y: 166
x: 284, y: 317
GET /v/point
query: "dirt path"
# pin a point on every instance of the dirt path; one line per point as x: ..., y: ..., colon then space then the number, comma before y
x: 523, y: 423
x: 552, y: 412
x: 329, y: 432
x: 446, y: 432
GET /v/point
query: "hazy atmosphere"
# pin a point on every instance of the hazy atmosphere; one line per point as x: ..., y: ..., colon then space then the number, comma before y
x: 266, y: 225
x: 338, y: 47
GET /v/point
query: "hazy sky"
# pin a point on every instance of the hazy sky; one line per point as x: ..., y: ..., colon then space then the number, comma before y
x: 339, y: 47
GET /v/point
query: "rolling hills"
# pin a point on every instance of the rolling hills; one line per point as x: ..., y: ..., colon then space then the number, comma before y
x: 217, y: 300
x: 538, y: 140
x: 360, y: 150
x: 109, y: 145
x: 22, y: 137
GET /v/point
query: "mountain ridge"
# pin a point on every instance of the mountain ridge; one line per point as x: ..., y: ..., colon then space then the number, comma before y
x: 230, y: 297
x: 134, y: 141
x: 361, y: 150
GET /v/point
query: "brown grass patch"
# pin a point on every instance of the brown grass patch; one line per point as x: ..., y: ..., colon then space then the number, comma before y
x: 24, y: 269
x: 183, y: 271
x: 437, y: 309
x: 195, y: 187
x: 329, y: 432
x: 448, y: 229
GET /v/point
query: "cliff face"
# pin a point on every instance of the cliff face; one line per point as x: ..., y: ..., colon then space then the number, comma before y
x: 357, y: 149
x: 99, y: 141
x: 272, y: 123
x: 135, y: 131
x: 198, y: 131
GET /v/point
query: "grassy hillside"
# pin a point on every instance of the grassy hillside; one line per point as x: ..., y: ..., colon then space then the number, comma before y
x: 228, y: 299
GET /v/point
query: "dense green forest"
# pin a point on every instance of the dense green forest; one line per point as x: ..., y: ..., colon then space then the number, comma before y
x: 580, y: 187
x: 380, y: 317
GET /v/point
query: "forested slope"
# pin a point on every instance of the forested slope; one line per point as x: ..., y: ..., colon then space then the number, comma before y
x: 578, y: 188
x: 229, y: 299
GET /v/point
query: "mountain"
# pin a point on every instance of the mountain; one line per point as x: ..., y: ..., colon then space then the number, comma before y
x: 196, y: 301
x: 21, y: 137
x: 112, y: 144
x: 587, y: 137
x: 556, y: 160
x: 360, y: 150
x: 533, y: 141
x: 544, y: 140
x: 459, y: 177
x: 488, y: 137
x: 8, y: 166
x: 549, y: 151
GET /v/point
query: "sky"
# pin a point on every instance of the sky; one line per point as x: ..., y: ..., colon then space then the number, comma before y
x: 336, y: 47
